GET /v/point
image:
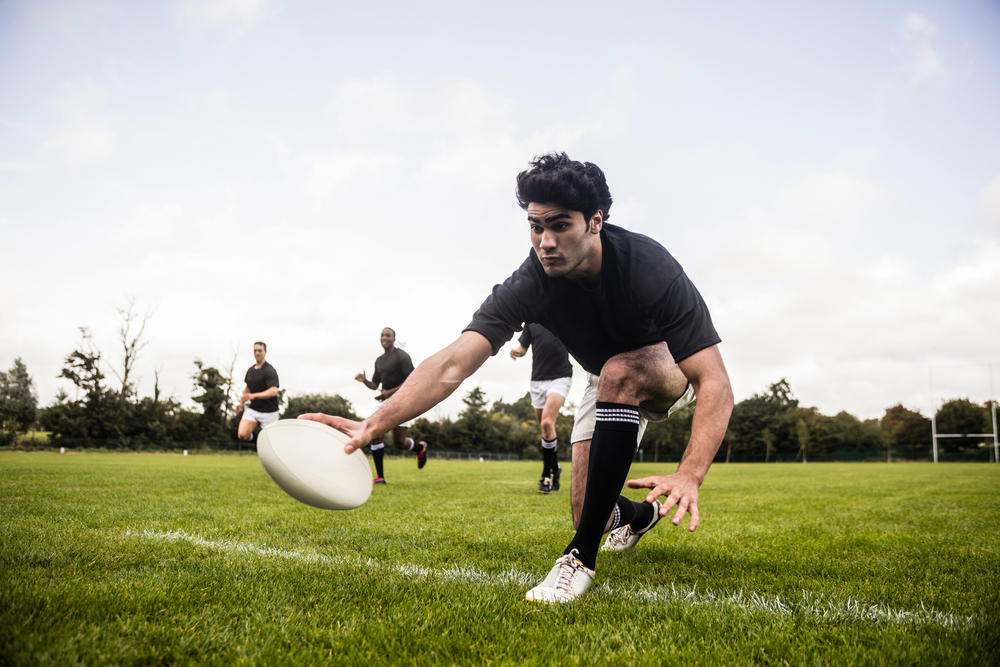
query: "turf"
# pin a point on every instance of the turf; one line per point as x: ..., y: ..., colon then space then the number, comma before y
x: 146, y: 559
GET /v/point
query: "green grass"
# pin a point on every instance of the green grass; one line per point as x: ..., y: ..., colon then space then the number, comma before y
x: 117, y: 558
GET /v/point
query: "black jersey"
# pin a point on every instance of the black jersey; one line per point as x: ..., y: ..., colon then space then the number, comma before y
x: 643, y: 297
x: 392, y: 370
x: 261, y: 379
x: 549, y: 359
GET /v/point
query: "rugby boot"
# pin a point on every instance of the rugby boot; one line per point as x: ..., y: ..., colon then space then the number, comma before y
x: 567, y: 580
x: 555, y: 477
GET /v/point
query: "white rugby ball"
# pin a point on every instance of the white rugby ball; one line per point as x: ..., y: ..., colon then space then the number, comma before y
x: 307, y: 460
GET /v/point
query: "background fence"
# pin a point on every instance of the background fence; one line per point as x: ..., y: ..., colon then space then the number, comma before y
x: 844, y: 454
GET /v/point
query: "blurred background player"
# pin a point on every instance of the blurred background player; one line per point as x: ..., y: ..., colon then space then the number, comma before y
x: 551, y: 375
x: 391, y: 370
x: 262, y: 391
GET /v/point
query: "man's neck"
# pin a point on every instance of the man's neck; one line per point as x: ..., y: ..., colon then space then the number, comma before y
x: 588, y: 272
x: 389, y: 350
x: 258, y: 366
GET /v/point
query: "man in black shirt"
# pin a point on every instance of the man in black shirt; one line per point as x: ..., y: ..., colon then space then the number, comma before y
x: 551, y: 376
x: 262, y: 391
x: 391, y: 370
x: 626, y: 311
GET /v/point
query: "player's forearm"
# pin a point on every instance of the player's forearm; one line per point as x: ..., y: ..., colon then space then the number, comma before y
x: 433, y: 381
x: 711, y: 418
x: 270, y: 392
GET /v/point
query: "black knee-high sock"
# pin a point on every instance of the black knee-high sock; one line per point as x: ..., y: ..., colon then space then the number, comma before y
x: 378, y: 455
x: 636, y: 515
x: 548, y: 458
x: 611, y: 452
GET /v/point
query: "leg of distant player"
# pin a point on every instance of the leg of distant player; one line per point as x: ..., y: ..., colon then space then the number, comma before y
x: 401, y: 441
x: 550, y: 459
x: 378, y: 453
x: 647, y: 377
x: 245, y: 430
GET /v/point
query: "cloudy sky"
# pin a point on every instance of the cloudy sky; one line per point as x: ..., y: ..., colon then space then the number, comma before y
x: 305, y: 173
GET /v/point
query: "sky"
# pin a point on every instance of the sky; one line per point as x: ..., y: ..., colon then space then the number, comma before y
x: 306, y: 173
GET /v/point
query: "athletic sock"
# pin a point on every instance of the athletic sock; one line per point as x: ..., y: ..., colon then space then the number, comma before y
x: 416, y: 448
x: 409, y: 443
x: 643, y: 514
x: 378, y: 453
x: 630, y: 512
x: 611, y: 452
x: 549, y: 457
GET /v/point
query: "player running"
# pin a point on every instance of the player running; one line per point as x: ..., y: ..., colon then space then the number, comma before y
x: 262, y: 391
x: 551, y: 375
x: 627, y: 312
x: 391, y: 370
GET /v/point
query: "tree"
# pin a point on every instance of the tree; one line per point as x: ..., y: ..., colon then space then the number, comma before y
x: 963, y: 417
x: 906, y: 428
x: 83, y: 367
x: 18, y: 402
x: 335, y: 405
x: 212, y: 400
x: 132, y: 343
x: 765, y: 422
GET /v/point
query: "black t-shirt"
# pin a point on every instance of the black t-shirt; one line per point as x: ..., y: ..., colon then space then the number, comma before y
x: 549, y: 359
x: 392, y: 370
x: 258, y: 380
x: 643, y: 297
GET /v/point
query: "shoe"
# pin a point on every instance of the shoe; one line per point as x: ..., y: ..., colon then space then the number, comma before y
x: 545, y: 485
x: 378, y: 480
x: 567, y: 581
x: 422, y: 456
x: 555, y: 477
x: 621, y: 539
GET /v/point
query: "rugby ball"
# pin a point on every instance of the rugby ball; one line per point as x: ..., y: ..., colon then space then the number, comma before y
x: 307, y: 460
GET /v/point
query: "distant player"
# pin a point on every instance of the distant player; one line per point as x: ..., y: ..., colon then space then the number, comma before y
x: 262, y: 391
x: 551, y: 375
x: 391, y: 370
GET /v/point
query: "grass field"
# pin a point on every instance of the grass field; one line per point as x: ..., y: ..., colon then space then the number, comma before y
x: 146, y: 559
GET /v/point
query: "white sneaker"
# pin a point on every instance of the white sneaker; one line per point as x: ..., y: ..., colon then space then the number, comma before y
x: 567, y: 581
x: 624, y: 538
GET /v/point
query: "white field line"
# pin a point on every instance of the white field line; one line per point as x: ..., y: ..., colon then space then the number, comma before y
x: 816, y: 606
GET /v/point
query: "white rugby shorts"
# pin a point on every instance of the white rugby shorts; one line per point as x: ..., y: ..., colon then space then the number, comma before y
x: 262, y: 418
x: 404, y: 424
x: 540, y: 390
x: 586, y: 414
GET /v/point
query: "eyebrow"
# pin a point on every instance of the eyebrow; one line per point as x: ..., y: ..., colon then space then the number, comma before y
x: 551, y: 218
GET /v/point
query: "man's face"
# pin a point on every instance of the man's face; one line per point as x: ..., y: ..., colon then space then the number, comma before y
x: 388, y: 339
x: 259, y: 353
x: 562, y: 238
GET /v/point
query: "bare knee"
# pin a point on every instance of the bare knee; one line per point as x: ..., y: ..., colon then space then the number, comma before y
x: 617, y: 383
x: 548, y: 428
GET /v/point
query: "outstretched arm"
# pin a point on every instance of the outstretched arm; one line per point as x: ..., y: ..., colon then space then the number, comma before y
x: 363, y: 379
x: 707, y: 374
x: 429, y: 384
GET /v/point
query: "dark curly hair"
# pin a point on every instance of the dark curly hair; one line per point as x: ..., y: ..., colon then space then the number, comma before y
x: 554, y: 178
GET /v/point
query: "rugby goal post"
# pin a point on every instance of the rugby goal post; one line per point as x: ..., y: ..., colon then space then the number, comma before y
x: 993, y: 414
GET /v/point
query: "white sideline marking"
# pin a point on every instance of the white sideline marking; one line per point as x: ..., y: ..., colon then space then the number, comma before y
x: 851, y: 610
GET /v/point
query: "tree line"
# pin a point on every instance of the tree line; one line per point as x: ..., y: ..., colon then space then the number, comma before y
x: 768, y: 426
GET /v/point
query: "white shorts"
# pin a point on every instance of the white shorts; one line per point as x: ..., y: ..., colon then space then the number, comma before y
x: 404, y: 424
x: 540, y: 390
x: 262, y: 418
x: 586, y: 414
